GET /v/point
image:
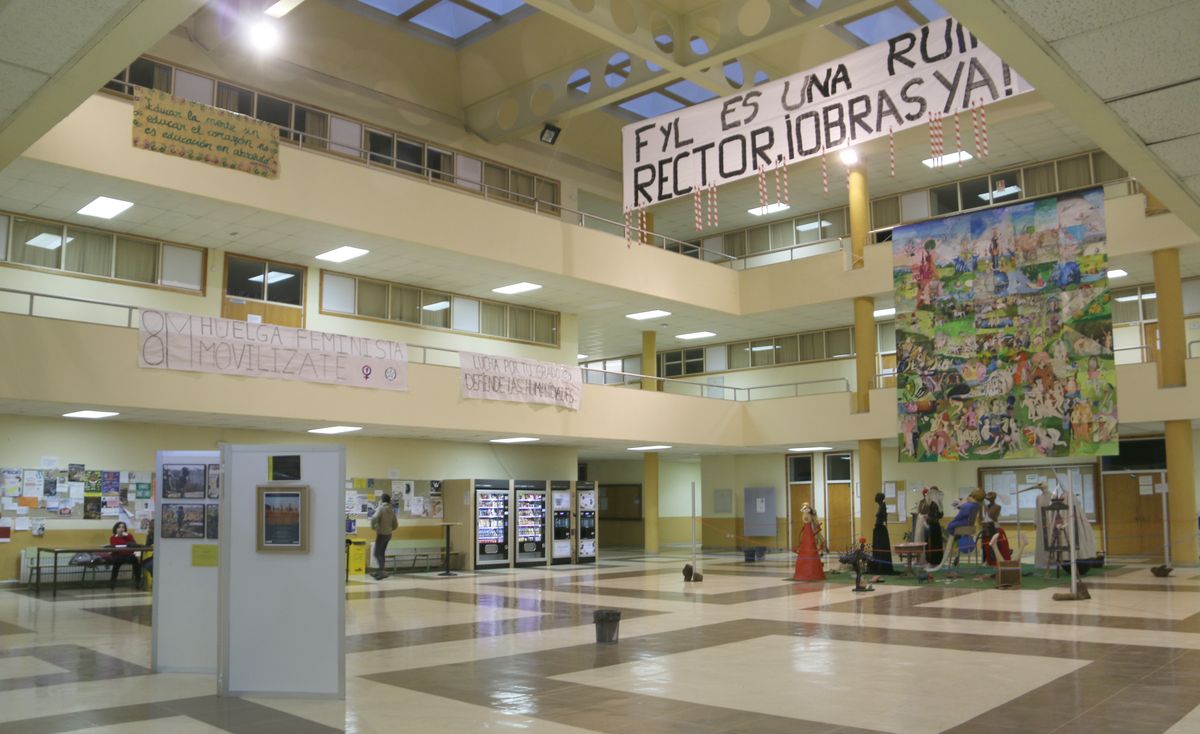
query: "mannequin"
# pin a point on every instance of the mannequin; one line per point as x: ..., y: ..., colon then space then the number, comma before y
x: 812, y: 543
x: 920, y: 521
x: 966, y: 518
x: 881, y: 543
x: 934, y: 502
x: 993, y: 537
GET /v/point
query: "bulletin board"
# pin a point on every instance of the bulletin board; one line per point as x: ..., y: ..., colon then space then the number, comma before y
x: 1007, y: 483
x: 412, y: 499
x: 34, y: 498
x: 894, y: 498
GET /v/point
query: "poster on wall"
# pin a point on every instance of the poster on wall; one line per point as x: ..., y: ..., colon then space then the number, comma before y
x: 282, y: 519
x: 184, y: 521
x: 183, y: 481
x: 1004, y: 333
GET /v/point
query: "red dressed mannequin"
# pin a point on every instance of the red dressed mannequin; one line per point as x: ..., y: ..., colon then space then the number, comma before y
x: 808, y: 552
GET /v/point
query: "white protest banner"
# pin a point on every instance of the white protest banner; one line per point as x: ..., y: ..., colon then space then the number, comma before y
x: 488, y: 377
x: 180, y: 341
x: 940, y: 68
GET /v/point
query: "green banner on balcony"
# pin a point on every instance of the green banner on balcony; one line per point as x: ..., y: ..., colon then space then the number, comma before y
x: 198, y: 132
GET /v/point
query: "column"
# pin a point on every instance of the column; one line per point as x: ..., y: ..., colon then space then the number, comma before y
x: 650, y: 502
x: 870, y: 451
x: 649, y: 360
x: 1172, y: 353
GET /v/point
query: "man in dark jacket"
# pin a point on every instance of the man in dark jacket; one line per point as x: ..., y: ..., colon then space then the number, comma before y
x: 383, y: 523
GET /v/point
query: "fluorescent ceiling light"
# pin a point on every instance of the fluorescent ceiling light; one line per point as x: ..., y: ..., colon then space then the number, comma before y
x: 93, y: 414
x: 47, y: 241
x: 810, y: 449
x: 880, y: 313
x: 439, y: 306
x: 759, y: 211
x: 515, y: 439
x: 947, y: 159
x: 580, y: 356
x: 263, y: 36
x: 1000, y: 193
x: 812, y: 225
x: 696, y: 335
x: 1145, y: 297
x: 273, y: 276
x: 849, y: 156
x: 333, y: 430
x: 104, y: 207
x: 1116, y: 273
x: 515, y: 288
x: 342, y: 254
x: 643, y: 315
x: 282, y: 8
x: 655, y: 447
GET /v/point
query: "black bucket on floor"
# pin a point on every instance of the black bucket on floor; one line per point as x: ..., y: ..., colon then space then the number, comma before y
x: 608, y: 624
x: 749, y: 554
x: 760, y: 552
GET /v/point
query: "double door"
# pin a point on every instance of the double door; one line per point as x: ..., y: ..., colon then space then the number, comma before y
x: 1133, y: 514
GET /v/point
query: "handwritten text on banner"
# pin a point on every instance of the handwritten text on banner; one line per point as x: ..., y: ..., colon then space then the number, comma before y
x: 891, y: 86
x: 489, y: 377
x: 191, y: 130
x: 179, y: 341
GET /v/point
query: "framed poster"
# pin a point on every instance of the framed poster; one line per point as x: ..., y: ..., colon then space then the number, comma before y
x: 182, y: 521
x: 214, y: 481
x: 282, y: 519
x: 183, y: 481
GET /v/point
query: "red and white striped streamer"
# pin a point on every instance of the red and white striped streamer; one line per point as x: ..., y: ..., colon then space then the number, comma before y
x: 932, y: 139
x: 696, y: 208
x: 643, y: 238
x: 941, y: 136
x: 983, y: 126
x: 958, y: 137
x: 824, y: 171
x: 892, y: 150
x: 628, y: 226
x: 714, y: 219
x: 781, y: 182
x: 762, y: 185
x: 975, y: 128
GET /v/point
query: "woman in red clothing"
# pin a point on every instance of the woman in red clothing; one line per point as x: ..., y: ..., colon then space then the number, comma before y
x: 122, y: 538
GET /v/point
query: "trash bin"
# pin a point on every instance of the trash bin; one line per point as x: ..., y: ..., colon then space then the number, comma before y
x: 748, y: 554
x: 760, y: 552
x: 608, y: 622
x: 356, y: 556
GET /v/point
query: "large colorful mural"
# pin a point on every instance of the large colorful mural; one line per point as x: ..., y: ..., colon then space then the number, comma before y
x: 1004, y: 333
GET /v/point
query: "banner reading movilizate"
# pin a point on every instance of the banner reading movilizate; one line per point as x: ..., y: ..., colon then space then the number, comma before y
x: 489, y: 377
x: 180, y: 341
x: 940, y: 68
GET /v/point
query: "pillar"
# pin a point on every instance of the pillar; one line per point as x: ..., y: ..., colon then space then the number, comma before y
x: 649, y: 360
x: 650, y: 502
x: 1172, y: 342
x: 870, y: 451
x: 1181, y: 492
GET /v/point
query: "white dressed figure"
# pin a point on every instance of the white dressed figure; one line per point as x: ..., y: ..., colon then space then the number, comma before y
x: 1085, y: 539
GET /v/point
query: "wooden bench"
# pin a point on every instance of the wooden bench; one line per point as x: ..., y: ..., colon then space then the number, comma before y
x: 406, y: 553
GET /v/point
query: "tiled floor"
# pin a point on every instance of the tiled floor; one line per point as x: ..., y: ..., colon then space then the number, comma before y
x: 745, y: 651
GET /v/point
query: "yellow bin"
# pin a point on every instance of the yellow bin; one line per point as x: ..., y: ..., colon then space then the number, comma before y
x: 356, y: 556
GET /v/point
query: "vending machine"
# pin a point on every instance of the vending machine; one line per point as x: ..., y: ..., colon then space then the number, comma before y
x: 560, y: 505
x: 585, y: 503
x: 531, y: 522
x: 493, y: 505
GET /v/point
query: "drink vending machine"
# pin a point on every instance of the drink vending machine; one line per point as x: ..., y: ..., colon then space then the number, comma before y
x: 531, y: 522
x: 560, y: 503
x: 492, y: 533
x: 585, y: 503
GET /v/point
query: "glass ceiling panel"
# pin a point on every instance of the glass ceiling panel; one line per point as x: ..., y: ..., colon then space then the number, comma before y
x: 690, y: 91
x: 876, y: 27
x: 454, y: 20
x: 930, y: 9
x: 392, y: 7
x: 650, y: 104
x: 450, y: 19
x: 499, y: 7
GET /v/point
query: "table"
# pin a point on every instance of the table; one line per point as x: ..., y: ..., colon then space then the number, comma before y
x: 909, y: 553
x: 446, y: 561
x: 54, y: 553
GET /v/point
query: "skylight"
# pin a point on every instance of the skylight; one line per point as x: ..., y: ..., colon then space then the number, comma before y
x: 457, y: 21
x: 650, y: 104
x: 690, y: 91
x: 930, y: 9
x: 880, y: 26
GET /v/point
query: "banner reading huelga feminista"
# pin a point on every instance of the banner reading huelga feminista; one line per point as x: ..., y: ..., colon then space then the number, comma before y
x: 489, y: 377
x: 891, y: 86
x: 180, y: 341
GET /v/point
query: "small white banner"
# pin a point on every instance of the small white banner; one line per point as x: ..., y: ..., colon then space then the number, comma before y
x: 180, y: 341
x: 489, y: 377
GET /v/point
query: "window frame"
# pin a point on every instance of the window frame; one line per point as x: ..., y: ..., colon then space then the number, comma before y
x: 267, y: 286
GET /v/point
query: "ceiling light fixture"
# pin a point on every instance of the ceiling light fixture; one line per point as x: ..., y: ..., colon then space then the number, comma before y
x: 643, y: 315
x: 1116, y: 273
x: 92, y: 414
x: 47, y: 241
x: 880, y: 313
x: 655, y: 447
x: 273, y: 276
x: 947, y: 159
x: 515, y: 439
x: 696, y: 335
x: 515, y: 288
x: 849, y: 156
x: 550, y: 133
x: 334, y: 430
x: 104, y: 207
x: 263, y: 36
x: 759, y: 211
x: 811, y: 449
x: 282, y: 8
x: 812, y: 225
x: 439, y: 306
x: 342, y: 254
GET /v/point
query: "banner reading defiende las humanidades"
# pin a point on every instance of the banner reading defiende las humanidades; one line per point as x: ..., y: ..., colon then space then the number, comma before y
x: 888, y: 87
x: 180, y: 341
x: 491, y: 377
x: 1004, y: 341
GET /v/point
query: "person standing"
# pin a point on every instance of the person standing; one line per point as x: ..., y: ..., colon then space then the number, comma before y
x: 383, y: 523
x: 122, y: 538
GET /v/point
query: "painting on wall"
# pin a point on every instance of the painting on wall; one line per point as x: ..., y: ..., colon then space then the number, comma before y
x: 182, y: 521
x: 183, y: 481
x: 282, y: 519
x: 1004, y: 341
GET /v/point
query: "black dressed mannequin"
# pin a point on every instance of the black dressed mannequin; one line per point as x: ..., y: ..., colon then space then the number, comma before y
x: 933, y: 531
x: 881, y: 544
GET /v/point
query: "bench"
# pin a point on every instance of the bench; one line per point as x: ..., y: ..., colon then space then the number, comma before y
x: 404, y: 554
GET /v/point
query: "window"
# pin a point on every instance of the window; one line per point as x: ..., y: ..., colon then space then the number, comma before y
x: 277, y: 112
x: 435, y: 309
x: 837, y: 468
x: 839, y: 343
x: 35, y: 243
x: 1005, y: 187
x: 975, y: 193
x: 682, y: 362
x: 372, y: 299
x: 264, y: 281
x: 88, y: 252
x: 783, y: 234
x: 1074, y: 173
x: 520, y: 323
x: 379, y: 147
x: 800, y: 469
x: 734, y: 244
x: 150, y: 74
x: 739, y: 355
x: 493, y: 319
x: 495, y: 178
x: 758, y: 239
x: 244, y: 278
x: 787, y: 349
x: 441, y: 163
x: 833, y: 224
x: 521, y: 185
x: 545, y: 327
x: 811, y: 346
x: 1106, y: 169
x: 313, y: 127
x: 885, y: 212
x: 235, y: 99
x: 406, y: 304
x: 547, y: 194
x: 410, y: 156
x: 762, y: 352
x: 943, y: 199
x: 285, y: 284
x: 1040, y: 180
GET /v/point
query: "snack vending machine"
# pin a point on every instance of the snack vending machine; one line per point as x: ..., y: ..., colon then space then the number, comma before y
x: 531, y: 522
x: 585, y: 503
x: 560, y: 504
x: 493, y: 501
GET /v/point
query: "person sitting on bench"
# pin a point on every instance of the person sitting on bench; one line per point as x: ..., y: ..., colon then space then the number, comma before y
x: 122, y: 538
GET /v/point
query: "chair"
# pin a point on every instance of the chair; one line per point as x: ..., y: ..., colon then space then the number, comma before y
x: 952, y: 554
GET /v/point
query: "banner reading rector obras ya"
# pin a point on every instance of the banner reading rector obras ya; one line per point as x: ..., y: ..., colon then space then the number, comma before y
x: 891, y: 86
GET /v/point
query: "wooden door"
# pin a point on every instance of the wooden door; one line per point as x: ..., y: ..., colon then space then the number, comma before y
x: 1150, y: 339
x: 887, y: 366
x: 839, y: 525
x: 798, y: 494
x: 1133, y: 520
